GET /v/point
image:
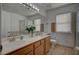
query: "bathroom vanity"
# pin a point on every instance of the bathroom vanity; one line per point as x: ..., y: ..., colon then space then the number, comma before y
x: 38, y: 45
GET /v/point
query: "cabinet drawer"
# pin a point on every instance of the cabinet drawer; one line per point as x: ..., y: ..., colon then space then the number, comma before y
x: 23, y: 51
x: 42, y: 41
x: 37, y: 44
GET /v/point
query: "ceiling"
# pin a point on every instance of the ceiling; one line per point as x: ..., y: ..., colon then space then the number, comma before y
x: 20, y: 9
x: 48, y: 6
x: 17, y: 8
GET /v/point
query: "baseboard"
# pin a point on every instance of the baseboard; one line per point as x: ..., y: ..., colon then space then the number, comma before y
x: 77, y: 48
x: 64, y: 45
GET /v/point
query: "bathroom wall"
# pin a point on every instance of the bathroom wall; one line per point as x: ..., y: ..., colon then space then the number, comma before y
x: 66, y: 39
x: 51, y: 14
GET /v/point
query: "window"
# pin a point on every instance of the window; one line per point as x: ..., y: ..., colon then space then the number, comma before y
x: 63, y: 22
x: 30, y: 22
x: 37, y: 23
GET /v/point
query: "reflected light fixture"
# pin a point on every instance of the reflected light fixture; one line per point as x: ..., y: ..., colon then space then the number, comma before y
x: 30, y: 6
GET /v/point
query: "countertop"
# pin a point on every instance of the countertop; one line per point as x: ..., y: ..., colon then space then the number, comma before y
x: 18, y: 43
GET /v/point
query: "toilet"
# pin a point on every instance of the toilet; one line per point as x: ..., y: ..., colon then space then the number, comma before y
x: 53, y: 39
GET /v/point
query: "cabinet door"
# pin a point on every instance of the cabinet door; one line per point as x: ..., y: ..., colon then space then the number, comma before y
x: 39, y: 50
x: 47, y: 44
x: 37, y: 44
x: 23, y: 51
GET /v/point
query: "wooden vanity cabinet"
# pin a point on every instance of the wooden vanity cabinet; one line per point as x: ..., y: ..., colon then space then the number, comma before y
x: 40, y: 47
x: 44, y: 46
x: 27, y: 50
x: 30, y: 53
x: 37, y: 44
x: 39, y: 50
x: 47, y: 45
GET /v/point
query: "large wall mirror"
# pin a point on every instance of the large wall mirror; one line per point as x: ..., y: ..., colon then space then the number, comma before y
x: 11, y: 22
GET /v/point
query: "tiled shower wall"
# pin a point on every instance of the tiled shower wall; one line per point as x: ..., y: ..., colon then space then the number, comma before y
x: 66, y: 39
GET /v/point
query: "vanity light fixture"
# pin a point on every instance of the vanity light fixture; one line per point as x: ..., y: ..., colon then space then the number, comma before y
x: 30, y: 6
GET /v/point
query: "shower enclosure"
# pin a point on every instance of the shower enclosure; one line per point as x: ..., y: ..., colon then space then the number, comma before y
x: 77, y: 31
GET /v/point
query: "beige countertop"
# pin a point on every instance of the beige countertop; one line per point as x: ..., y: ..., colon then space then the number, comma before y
x: 11, y: 46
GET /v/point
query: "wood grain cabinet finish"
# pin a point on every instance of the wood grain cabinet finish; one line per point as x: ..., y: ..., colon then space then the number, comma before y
x: 37, y: 44
x: 30, y: 53
x: 39, y: 50
x: 40, y: 47
x: 47, y: 45
x: 23, y: 51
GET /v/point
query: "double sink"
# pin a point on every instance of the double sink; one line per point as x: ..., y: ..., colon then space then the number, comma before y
x: 18, y: 42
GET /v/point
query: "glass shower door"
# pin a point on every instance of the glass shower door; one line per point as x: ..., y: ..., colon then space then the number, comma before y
x: 77, y: 34
x: 0, y: 30
x: 77, y: 30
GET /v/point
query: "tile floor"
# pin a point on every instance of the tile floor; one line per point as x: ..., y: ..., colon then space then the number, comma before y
x: 61, y: 50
